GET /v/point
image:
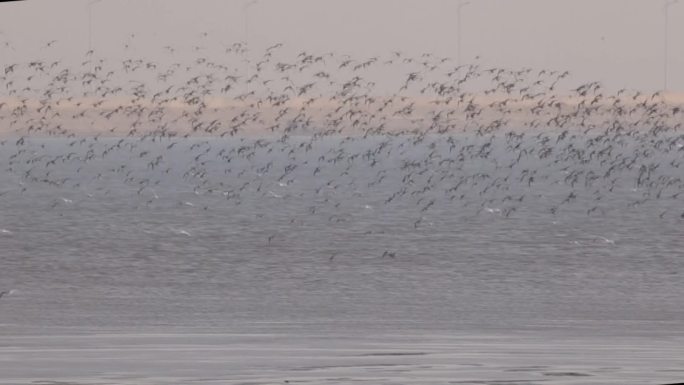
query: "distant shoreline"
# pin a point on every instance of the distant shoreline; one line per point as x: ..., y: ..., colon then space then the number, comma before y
x: 80, y: 118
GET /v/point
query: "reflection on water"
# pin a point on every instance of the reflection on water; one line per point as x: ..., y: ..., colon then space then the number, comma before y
x: 342, y: 358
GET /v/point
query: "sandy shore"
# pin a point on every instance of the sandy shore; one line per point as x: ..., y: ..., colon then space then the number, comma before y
x: 87, y: 117
x: 404, y: 358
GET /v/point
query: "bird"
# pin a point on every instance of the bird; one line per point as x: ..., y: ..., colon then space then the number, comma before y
x: 389, y: 254
x: 435, y: 138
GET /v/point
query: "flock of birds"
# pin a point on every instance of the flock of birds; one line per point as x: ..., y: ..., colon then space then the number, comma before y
x: 416, y: 133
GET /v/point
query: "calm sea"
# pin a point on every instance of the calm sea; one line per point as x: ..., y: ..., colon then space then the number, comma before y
x: 390, y: 260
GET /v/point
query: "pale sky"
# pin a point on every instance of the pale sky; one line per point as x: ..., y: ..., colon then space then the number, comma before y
x: 618, y: 42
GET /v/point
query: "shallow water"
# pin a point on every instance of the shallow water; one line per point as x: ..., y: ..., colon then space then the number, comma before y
x: 233, y: 271
x: 341, y: 358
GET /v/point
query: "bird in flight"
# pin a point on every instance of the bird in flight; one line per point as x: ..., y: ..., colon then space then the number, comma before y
x: 3, y: 293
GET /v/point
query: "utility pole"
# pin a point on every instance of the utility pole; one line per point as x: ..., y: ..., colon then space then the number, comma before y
x: 666, y: 44
x: 90, y: 23
x: 245, y: 10
x: 90, y: 38
x: 459, y: 35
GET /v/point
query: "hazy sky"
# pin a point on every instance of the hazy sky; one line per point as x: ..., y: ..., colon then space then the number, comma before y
x: 620, y: 42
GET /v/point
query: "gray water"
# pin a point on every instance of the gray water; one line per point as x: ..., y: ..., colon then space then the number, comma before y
x: 217, y: 270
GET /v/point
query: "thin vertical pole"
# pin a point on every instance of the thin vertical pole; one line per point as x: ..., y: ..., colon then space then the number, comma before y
x: 459, y: 34
x: 665, y: 49
x: 666, y: 42
x: 90, y: 26
x: 247, y: 48
x: 90, y: 32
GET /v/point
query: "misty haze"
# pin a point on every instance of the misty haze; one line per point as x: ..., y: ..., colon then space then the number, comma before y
x: 335, y: 192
